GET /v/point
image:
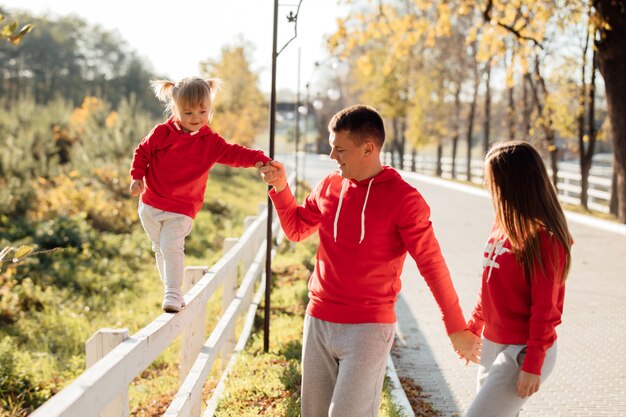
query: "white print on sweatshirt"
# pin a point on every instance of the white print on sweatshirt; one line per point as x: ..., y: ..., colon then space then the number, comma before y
x: 492, y: 251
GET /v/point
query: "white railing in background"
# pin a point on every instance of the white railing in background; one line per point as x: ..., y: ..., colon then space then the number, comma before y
x: 568, y: 183
x: 114, y: 359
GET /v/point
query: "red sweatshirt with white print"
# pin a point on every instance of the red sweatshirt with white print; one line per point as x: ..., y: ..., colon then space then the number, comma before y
x: 175, y: 165
x: 366, y: 228
x: 514, y: 310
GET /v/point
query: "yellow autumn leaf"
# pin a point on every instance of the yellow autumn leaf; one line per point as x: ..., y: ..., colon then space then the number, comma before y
x: 22, y: 251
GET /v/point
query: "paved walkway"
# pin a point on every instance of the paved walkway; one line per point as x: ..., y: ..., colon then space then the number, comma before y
x: 590, y: 376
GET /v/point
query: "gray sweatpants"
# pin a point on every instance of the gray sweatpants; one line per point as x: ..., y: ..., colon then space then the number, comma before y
x: 343, y: 367
x: 167, y: 231
x: 497, y: 379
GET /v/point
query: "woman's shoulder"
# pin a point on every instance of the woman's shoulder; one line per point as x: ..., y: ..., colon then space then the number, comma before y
x: 551, y: 244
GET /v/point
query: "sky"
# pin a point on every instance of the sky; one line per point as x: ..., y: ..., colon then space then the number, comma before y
x: 174, y: 36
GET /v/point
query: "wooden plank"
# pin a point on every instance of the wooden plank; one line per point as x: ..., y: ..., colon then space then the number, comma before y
x: 192, y: 335
x: 97, y: 347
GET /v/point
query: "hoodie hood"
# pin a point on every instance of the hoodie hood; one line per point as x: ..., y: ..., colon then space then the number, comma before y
x: 174, y: 125
x: 387, y: 174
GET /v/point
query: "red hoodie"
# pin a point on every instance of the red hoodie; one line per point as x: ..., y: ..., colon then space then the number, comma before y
x: 176, y: 165
x: 365, y: 230
x: 514, y: 310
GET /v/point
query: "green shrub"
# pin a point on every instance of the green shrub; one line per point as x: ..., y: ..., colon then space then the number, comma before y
x: 60, y: 331
x: 61, y: 232
x: 19, y: 387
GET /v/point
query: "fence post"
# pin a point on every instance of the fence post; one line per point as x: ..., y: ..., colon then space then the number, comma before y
x: 228, y: 295
x: 98, y: 345
x: 192, y: 336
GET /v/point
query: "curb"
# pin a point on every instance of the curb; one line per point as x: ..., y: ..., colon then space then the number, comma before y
x: 398, y: 396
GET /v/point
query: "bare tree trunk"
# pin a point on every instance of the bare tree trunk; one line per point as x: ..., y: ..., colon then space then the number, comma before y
x: 586, y: 159
x: 471, y: 117
x: 511, y: 99
x: 613, y: 199
x: 546, y: 121
x: 612, y: 65
x: 414, y: 160
x: 487, y: 120
x: 439, y: 155
x: 527, y: 107
x: 582, y: 104
x: 394, y: 143
x: 457, y: 126
x: 400, y: 141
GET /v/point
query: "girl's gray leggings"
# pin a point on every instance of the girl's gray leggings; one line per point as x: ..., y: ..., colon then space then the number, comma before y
x: 497, y: 379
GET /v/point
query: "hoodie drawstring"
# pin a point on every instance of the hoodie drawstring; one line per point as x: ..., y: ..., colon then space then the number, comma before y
x: 363, y: 211
x: 343, y: 189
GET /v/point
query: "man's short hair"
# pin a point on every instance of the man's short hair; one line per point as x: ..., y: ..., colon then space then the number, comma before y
x: 363, y: 122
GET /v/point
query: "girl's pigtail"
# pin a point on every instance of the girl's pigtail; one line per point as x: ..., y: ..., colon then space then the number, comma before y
x: 162, y: 89
x: 215, y: 84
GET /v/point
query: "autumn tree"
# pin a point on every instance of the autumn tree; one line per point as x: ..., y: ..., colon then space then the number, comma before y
x: 397, y: 69
x: 382, y: 67
x: 240, y: 111
x: 611, y: 55
x: 531, y: 22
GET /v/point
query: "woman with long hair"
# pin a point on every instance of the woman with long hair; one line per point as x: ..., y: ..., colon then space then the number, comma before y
x: 525, y: 264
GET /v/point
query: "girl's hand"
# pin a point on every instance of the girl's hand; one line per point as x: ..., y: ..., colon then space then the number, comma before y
x: 467, y: 345
x: 136, y: 187
x: 274, y: 174
x: 527, y: 384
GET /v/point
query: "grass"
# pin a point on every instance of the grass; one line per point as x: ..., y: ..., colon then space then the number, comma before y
x: 52, y: 304
x: 269, y: 383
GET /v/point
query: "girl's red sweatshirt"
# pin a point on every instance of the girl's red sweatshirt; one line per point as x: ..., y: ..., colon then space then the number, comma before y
x: 514, y: 310
x: 175, y: 165
x: 366, y: 229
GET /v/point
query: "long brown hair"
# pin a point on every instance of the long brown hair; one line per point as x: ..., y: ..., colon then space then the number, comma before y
x: 525, y: 202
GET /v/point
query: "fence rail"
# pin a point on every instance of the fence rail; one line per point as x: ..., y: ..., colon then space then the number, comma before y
x: 114, y: 359
x: 568, y: 184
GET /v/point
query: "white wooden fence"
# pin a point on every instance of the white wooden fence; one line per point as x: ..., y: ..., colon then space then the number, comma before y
x: 568, y: 184
x: 114, y: 359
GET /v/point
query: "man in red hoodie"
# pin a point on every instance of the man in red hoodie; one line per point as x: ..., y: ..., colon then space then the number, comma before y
x: 368, y: 218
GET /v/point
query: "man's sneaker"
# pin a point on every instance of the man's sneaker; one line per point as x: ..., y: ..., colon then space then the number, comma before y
x: 172, y: 303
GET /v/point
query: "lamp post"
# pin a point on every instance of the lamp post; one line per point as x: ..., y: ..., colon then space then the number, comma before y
x: 297, y: 133
x: 268, y: 247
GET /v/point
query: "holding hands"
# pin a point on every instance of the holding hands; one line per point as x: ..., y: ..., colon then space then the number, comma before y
x: 273, y: 173
x: 467, y: 345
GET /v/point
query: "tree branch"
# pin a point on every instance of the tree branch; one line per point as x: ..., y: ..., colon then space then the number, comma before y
x: 487, y: 16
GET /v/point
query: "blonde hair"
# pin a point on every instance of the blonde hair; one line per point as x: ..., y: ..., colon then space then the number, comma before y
x: 187, y: 92
x: 525, y: 202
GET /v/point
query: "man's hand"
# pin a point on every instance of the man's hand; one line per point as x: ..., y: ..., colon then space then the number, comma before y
x: 136, y: 187
x: 467, y: 345
x: 274, y: 174
x: 527, y: 384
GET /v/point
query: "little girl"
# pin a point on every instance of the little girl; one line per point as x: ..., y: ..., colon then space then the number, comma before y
x: 170, y: 169
x: 526, y: 261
